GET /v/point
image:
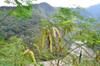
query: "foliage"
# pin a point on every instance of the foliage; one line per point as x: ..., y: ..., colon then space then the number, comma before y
x: 88, y: 34
x: 88, y: 63
x: 24, y: 11
x: 51, y: 41
x: 23, y: 8
x: 12, y: 53
x: 19, y: 2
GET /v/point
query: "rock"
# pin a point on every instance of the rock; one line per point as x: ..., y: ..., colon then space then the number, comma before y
x: 50, y: 63
x: 86, y: 52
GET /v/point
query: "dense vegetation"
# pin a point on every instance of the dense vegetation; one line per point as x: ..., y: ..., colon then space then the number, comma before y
x: 29, y: 37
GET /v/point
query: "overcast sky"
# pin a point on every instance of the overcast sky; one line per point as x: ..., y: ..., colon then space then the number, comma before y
x: 64, y: 3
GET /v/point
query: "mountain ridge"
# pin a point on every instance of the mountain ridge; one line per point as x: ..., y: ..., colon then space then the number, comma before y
x: 95, y: 10
x: 28, y: 26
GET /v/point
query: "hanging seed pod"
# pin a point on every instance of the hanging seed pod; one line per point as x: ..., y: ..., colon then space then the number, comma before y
x: 50, y: 40
x: 56, y: 32
x: 31, y: 54
x: 57, y: 35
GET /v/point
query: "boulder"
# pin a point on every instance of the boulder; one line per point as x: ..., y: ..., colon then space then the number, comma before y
x: 80, y: 47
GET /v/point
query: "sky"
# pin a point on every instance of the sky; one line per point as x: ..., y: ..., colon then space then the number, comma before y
x: 64, y: 3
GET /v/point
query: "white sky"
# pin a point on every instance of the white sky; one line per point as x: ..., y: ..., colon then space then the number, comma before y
x: 64, y: 3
